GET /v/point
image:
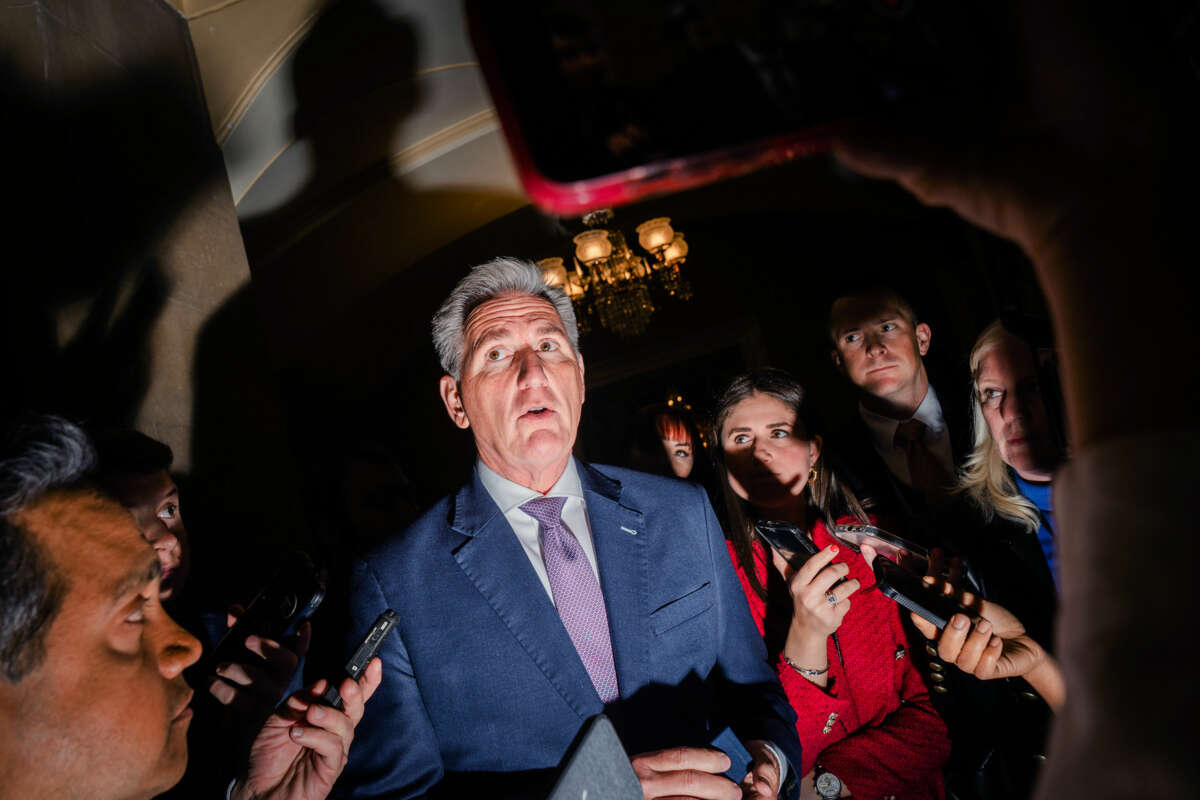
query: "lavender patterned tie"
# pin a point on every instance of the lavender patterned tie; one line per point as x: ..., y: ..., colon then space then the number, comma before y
x: 576, y: 594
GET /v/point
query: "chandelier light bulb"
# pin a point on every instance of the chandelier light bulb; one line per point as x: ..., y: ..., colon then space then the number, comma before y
x: 655, y: 234
x: 677, y: 250
x: 592, y: 246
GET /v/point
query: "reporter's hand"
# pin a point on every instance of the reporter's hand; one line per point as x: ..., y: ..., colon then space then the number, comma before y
x: 813, y: 615
x: 994, y: 645
x: 302, y: 748
x: 253, y: 688
x: 685, y: 772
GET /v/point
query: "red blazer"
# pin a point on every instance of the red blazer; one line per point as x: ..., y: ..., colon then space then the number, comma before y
x: 874, y: 725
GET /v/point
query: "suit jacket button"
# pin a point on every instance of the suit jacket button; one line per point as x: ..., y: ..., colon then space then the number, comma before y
x: 937, y: 677
x: 940, y: 689
x: 930, y: 649
x: 936, y: 666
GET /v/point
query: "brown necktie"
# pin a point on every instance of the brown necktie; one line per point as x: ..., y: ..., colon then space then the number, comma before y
x: 925, y: 471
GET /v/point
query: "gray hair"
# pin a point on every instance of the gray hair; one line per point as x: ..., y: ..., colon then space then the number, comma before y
x: 487, y: 282
x: 38, y: 456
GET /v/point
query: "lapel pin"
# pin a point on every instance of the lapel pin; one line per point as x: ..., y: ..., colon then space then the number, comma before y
x: 630, y: 531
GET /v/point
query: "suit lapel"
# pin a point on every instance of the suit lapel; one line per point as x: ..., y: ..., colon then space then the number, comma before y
x: 620, y: 538
x: 492, y: 558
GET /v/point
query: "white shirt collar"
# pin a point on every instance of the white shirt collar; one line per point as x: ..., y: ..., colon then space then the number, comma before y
x: 509, y: 495
x: 883, y: 429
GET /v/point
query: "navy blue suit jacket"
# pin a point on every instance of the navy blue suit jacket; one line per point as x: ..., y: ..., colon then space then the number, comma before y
x: 480, y: 676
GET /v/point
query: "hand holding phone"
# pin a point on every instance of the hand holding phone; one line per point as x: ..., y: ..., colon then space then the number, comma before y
x: 301, y: 749
x: 819, y: 591
x: 293, y: 593
x: 911, y: 592
x: 362, y: 656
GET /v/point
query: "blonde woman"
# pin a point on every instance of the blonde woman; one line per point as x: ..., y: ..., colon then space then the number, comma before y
x: 1007, y: 481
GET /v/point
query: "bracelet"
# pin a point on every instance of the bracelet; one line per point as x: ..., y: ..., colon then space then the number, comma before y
x: 805, y: 671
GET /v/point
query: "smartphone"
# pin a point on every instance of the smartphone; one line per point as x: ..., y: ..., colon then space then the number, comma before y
x: 363, y: 654
x: 909, y: 555
x: 604, y: 103
x: 911, y: 592
x: 294, y: 592
x: 789, y: 540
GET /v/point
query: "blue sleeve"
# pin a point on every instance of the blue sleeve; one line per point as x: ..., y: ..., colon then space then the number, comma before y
x: 752, y: 698
x: 395, y: 752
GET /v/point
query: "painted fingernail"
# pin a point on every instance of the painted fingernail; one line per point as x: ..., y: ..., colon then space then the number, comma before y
x: 960, y: 622
x: 297, y: 732
x: 833, y: 548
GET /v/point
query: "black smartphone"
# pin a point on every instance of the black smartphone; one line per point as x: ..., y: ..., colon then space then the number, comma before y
x: 790, y: 541
x: 910, y: 591
x: 363, y: 654
x: 294, y: 592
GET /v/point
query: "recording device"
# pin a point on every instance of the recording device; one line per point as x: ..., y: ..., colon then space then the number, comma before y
x: 910, y: 591
x: 276, y: 612
x: 739, y: 757
x: 789, y: 540
x: 909, y: 555
x: 603, y: 103
x: 363, y: 654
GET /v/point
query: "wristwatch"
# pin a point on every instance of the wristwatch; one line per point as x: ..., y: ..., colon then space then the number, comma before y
x: 828, y: 786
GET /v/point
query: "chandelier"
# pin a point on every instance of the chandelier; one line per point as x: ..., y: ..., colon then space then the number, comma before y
x: 611, y: 284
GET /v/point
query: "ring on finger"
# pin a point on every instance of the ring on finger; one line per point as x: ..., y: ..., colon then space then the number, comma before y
x: 831, y: 598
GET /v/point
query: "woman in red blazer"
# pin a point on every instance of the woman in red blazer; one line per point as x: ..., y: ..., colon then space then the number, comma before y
x: 866, y: 723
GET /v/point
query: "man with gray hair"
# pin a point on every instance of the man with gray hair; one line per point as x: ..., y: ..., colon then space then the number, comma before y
x: 547, y: 590
x: 92, y: 697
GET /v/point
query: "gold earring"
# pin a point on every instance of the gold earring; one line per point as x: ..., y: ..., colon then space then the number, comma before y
x: 812, y: 476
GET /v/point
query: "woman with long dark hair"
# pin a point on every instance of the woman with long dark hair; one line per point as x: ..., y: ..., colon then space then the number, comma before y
x: 865, y: 720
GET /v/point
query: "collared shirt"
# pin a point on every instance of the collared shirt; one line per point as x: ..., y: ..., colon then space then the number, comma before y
x: 936, y: 438
x: 1040, y: 495
x: 509, y: 496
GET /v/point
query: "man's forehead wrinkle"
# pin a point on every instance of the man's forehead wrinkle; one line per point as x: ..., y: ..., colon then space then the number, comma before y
x: 498, y: 323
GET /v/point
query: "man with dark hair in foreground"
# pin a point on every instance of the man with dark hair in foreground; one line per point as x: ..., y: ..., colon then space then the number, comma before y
x: 92, y: 697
